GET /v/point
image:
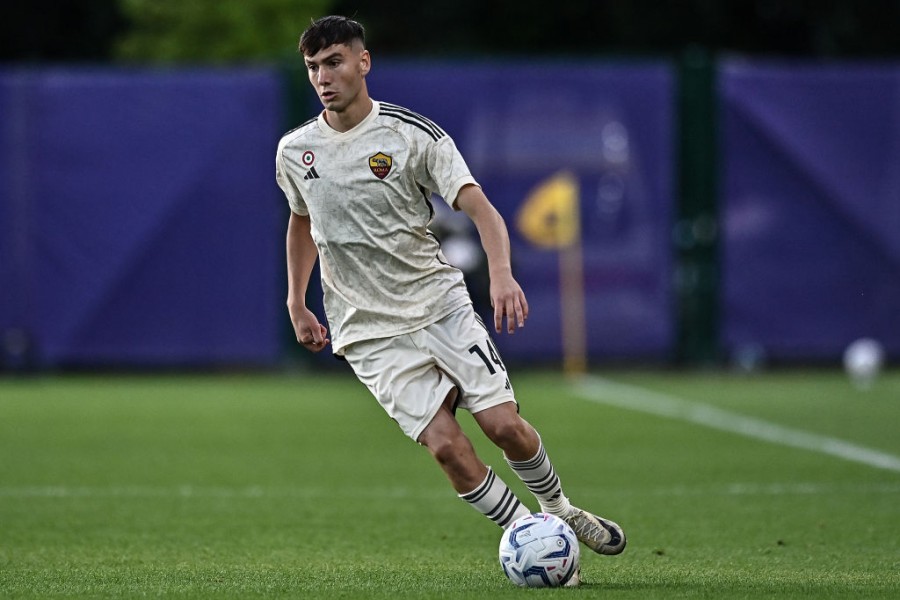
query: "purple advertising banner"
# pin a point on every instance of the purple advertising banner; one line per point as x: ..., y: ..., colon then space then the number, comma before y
x: 138, y: 216
x: 810, y: 208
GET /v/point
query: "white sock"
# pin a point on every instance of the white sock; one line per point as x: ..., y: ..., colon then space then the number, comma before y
x: 541, y: 480
x: 496, y: 501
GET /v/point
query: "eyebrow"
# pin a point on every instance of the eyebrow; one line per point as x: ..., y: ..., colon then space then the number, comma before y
x: 326, y: 58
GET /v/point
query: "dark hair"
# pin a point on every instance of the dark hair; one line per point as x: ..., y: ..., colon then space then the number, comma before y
x: 328, y: 31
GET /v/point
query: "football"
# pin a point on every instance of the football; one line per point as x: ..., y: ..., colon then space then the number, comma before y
x: 539, y: 550
x: 863, y: 360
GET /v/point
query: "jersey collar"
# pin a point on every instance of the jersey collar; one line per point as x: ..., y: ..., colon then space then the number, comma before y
x: 327, y: 130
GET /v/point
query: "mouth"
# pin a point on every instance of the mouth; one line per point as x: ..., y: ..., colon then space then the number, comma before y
x: 328, y: 95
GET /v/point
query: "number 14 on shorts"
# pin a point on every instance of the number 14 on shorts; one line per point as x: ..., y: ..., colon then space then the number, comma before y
x: 492, y: 361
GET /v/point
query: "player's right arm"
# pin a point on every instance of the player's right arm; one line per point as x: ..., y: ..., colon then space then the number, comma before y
x: 301, y: 258
x: 507, y: 296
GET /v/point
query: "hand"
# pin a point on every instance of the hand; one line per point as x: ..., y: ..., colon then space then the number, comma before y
x: 508, y: 301
x: 310, y: 333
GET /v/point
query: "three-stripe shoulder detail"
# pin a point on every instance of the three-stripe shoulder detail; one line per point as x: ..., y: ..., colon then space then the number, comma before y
x: 414, y: 119
x: 300, y: 126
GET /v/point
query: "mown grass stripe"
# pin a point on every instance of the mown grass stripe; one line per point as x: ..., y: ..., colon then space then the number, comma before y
x: 796, y: 488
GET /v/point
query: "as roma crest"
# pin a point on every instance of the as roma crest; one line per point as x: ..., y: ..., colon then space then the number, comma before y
x: 381, y: 164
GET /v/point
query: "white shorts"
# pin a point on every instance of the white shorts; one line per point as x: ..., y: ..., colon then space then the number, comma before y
x: 412, y: 374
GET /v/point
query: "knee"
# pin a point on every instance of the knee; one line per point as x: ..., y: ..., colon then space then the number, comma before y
x: 449, y: 449
x: 512, y: 433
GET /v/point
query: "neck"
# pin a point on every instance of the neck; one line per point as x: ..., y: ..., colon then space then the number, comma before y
x: 351, y: 116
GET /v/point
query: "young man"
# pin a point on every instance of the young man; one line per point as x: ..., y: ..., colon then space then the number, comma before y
x: 359, y: 180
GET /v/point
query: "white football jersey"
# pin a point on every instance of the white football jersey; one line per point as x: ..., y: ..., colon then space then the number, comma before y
x: 368, y: 193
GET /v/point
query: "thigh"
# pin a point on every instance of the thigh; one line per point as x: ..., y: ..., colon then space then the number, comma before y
x: 443, y: 426
x: 405, y: 381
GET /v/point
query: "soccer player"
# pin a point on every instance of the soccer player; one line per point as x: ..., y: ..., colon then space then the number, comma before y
x: 359, y: 179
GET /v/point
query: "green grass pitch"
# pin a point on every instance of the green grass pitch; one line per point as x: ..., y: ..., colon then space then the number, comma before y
x: 298, y: 486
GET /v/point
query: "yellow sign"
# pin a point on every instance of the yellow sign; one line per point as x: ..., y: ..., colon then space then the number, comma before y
x: 549, y: 217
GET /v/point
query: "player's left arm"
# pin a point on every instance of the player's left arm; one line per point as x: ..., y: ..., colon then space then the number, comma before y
x: 507, y: 296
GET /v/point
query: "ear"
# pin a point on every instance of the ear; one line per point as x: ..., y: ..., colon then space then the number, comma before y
x: 365, y: 62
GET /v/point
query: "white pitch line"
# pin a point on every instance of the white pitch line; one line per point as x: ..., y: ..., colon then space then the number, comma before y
x: 603, y: 391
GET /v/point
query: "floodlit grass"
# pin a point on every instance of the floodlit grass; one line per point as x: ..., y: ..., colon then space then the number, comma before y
x: 298, y: 486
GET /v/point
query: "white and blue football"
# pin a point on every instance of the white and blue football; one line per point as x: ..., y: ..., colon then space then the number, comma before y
x: 539, y: 550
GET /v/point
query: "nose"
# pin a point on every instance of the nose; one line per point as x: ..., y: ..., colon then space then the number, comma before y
x: 321, y: 76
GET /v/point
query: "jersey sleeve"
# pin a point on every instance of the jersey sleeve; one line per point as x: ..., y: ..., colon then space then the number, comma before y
x: 447, y: 169
x: 283, y: 178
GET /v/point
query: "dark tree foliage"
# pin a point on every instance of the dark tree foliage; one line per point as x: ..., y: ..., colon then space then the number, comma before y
x: 59, y: 30
x: 214, y: 31
x: 811, y: 28
x: 94, y: 30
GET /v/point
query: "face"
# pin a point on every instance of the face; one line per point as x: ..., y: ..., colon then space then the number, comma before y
x: 338, y: 74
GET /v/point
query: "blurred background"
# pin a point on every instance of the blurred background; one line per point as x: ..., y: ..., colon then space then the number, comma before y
x: 730, y: 172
